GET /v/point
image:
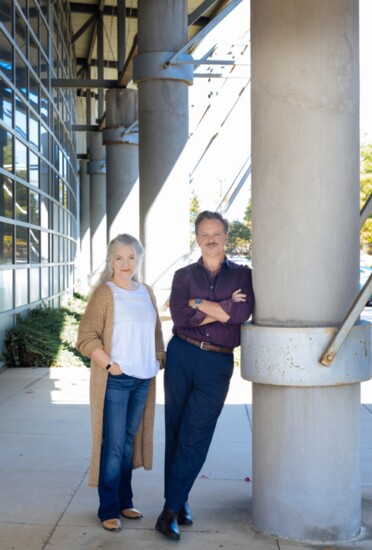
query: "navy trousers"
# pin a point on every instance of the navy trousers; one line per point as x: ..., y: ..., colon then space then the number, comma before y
x: 196, y: 383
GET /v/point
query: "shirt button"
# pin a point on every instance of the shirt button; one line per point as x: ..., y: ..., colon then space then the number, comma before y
x: 211, y: 287
x: 207, y: 334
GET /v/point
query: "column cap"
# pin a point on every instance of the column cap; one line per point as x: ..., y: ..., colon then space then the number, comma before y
x: 290, y: 356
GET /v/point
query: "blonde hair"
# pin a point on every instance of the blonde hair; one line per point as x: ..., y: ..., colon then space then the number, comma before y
x: 127, y: 240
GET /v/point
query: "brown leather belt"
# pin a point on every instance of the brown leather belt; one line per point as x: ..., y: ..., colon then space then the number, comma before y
x: 205, y: 345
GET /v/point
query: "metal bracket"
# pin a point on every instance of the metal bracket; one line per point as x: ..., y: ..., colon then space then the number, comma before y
x: 121, y: 134
x: 347, y: 324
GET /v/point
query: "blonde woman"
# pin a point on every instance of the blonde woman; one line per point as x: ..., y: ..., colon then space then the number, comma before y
x: 121, y: 333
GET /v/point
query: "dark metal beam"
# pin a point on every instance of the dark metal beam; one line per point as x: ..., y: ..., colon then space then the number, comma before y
x: 127, y: 73
x: 198, y: 12
x: 85, y: 127
x: 83, y: 62
x: 130, y: 13
x: 85, y: 27
x: 83, y: 83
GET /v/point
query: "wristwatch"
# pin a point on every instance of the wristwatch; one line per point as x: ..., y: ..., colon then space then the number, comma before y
x: 198, y: 302
x: 109, y: 365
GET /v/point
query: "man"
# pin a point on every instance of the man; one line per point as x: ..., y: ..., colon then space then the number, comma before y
x: 209, y: 301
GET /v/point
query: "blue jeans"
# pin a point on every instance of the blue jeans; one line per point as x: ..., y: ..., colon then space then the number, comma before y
x: 125, y: 401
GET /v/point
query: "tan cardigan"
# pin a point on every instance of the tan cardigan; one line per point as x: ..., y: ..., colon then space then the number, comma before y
x: 95, y: 331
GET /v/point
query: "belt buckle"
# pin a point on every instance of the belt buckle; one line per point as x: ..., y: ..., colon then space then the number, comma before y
x: 202, y: 344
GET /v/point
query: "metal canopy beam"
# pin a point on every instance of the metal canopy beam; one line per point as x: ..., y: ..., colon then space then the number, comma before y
x: 107, y: 10
x: 83, y: 83
x: 201, y: 34
x: 84, y: 28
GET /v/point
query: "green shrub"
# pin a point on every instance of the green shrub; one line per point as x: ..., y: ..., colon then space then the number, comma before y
x: 46, y: 337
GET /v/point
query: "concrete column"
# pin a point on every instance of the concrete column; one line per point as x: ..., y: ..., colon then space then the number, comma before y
x: 163, y: 130
x: 84, y: 261
x: 122, y: 162
x: 305, y: 216
x: 98, y: 227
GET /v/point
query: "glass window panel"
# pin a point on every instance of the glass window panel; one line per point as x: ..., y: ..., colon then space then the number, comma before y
x: 21, y: 203
x: 6, y: 140
x: 34, y: 207
x: 8, y: 152
x: 44, y: 71
x: 44, y: 36
x: 6, y: 289
x: 6, y: 14
x: 23, y: 5
x: 21, y: 118
x: 6, y: 243
x: 21, y: 160
x: 44, y: 177
x: 33, y: 55
x: 6, y: 197
x: 44, y: 109
x: 44, y: 214
x: 44, y: 247
x: 21, y: 34
x: 44, y: 141
x: 21, y: 76
x: 33, y: 169
x: 61, y: 278
x: 34, y: 93
x: 44, y: 282
x: 6, y: 105
x: 34, y: 284
x: 21, y: 287
x: 55, y: 248
x: 55, y: 216
x: 34, y: 246
x: 34, y: 17
x: 44, y: 7
x: 6, y: 62
x: 55, y: 280
x: 34, y: 130
x: 21, y: 244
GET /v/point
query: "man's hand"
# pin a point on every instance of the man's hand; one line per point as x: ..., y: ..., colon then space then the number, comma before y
x: 238, y: 296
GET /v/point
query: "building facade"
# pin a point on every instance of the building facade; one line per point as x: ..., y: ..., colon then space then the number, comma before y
x: 38, y: 167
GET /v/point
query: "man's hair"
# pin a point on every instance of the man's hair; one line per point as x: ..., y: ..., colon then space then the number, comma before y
x: 208, y: 215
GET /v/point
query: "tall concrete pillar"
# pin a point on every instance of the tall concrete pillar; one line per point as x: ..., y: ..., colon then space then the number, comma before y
x: 305, y: 217
x: 97, y: 182
x: 163, y: 134
x: 122, y: 186
x: 84, y: 256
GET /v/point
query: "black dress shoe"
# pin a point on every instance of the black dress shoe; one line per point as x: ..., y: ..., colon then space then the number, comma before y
x: 167, y: 524
x: 184, y: 515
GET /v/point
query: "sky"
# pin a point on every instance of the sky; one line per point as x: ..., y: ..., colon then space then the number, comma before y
x: 365, y: 30
x: 212, y: 168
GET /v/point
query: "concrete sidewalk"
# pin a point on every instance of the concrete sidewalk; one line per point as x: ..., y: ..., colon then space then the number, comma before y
x: 44, y: 456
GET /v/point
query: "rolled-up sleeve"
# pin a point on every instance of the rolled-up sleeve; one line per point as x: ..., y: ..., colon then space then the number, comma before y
x: 90, y: 334
x: 182, y: 314
x: 239, y: 312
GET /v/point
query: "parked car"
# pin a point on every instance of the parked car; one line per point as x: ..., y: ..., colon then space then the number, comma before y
x: 242, y: 260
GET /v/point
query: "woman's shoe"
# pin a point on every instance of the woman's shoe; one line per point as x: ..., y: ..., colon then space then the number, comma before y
x: 111, y: 524
x: 131, y: 513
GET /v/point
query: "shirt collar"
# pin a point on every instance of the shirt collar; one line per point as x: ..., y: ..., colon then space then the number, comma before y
x: 226, y: 262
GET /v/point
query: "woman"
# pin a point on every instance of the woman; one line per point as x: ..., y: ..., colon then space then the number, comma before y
x: 121, y: 333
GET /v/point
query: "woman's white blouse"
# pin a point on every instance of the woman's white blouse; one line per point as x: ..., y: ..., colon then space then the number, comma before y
x: 133, y: 338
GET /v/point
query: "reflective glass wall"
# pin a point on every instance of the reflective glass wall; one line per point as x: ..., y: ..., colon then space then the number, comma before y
x: 38, y: 180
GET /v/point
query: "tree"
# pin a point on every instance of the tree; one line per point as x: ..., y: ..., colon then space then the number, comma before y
x: 365, y: 191
x: 194, y: 211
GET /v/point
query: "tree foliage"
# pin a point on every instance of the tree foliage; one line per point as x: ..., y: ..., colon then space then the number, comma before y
x: 365, y: 191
